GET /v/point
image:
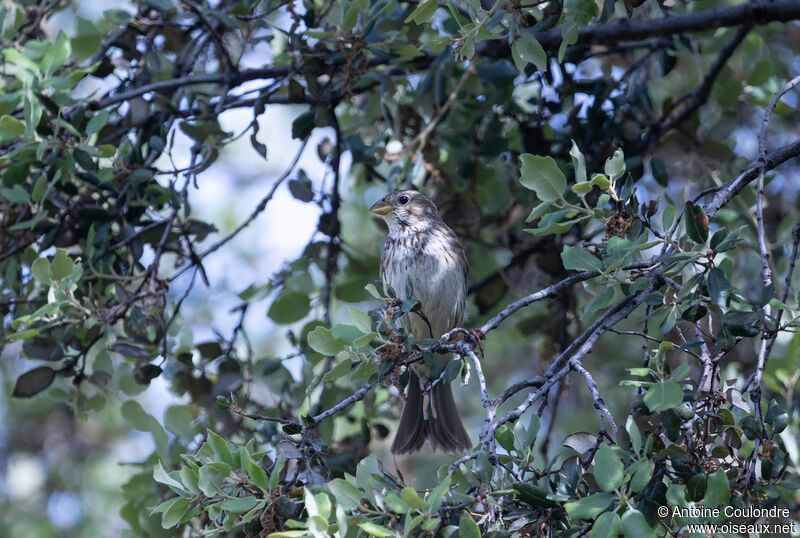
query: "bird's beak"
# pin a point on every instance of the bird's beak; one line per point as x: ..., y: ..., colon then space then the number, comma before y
x: 381, y: 208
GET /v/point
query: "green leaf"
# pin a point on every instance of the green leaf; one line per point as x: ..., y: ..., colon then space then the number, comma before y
x: 602, y: 300
x: 97, y: 122
x: 393, y: 502
x: 580, y: 259
x: 20, y: 60
x: 41, y: 270
x: 695, y: 312
x: 642, y: 472
x: 423, y: 12
x: 16, y: 194
x: 161, y: 476
x: 346, y: 334
x: 350, y: 18
x: 538, y: 211
x: 322, y: 341
x: 578, y: 163
x: 179, y: 420
x: 237, y: 506
x: 10, y: 129
x: 589, y: 507
x: 338, y: 371
x: 39, y: 189
x: 275, y: 474
x: 57, y: 53
x: 467, y: 528
x: 680, y: 372
x: 608, y: 470
x: 220, y: 447
x: 451, y: 371
x: 505, y: 437
x: 289, y: 307
x: 303, y: 125
x: 533, y: 496
x: 212, y: 476
x: 189, y: 480
x: 584, y: 187
x: 412, y: 499
x: 346, y: 494
x: 615, y: 165
x: 634, y: 525
x: 533, y: 430
x: 375, y: 530
x: 718, y: 490
x: 174, y: 513
x: 360, y: 319
x: 718, y: 287
x: 527, y: 50
x: 668, y: 324
x: 663, y: 396
x: 600, y: 180
x: 696, y: 487
x: 696, y: 223
x: 362, y: 341
x: 133, y: 413
x: 160, y: 5
x: 61, y: 266
x: 668, y: 216
x: 437, y: 495
x: 606, y: 526
x: 634, y: 434
x: 259, y: 476
x: 87, y: 40
x: 33, y: 382
x: 543, y: 176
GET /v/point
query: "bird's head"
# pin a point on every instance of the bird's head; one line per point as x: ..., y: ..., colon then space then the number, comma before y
x: 406, y: 211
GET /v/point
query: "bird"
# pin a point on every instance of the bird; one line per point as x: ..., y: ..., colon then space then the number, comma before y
x: 423, y: 250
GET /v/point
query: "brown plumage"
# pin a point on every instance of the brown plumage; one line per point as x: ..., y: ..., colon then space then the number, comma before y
x: 422, y: 249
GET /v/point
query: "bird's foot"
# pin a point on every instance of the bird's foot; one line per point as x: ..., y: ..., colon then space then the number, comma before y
x: 472, y: 336
x: 478, y: 335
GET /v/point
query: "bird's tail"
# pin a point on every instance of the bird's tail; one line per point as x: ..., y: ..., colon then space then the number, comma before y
x: 441, y: 424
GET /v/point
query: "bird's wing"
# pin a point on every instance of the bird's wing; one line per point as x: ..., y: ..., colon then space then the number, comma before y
x: 461, y: 292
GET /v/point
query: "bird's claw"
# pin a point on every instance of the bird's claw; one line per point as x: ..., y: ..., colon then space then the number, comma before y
x: 473, y: 336
x: 478, y: 335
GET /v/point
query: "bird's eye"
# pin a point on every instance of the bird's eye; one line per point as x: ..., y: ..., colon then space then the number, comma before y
x: 403, y: 199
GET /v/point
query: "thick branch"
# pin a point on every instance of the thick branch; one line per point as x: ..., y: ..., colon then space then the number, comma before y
x: 730, y: 189
x: 758, y: 12
x: 234, y: 79
x: 562, y: 365
x: 550, y: 291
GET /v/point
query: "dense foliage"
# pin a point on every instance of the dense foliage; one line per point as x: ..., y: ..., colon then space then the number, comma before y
x: 622, y: 175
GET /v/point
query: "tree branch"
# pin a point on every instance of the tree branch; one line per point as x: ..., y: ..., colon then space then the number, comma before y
x: 697, y: 98
x: 255, y: 213
x: 757, y: 12
x: 731, y: 188
x: 754, y: 470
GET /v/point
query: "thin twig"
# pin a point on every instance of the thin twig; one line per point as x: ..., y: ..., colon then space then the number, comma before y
x: 421, y: 139
x: 358, y: 395
x: 599, y: 404
x: 253, y: 215
x: 697, y: 98
x: 754, y: 469
x: 254, y: 416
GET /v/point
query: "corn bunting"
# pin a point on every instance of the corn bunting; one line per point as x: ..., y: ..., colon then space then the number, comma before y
x: 422, y: 249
